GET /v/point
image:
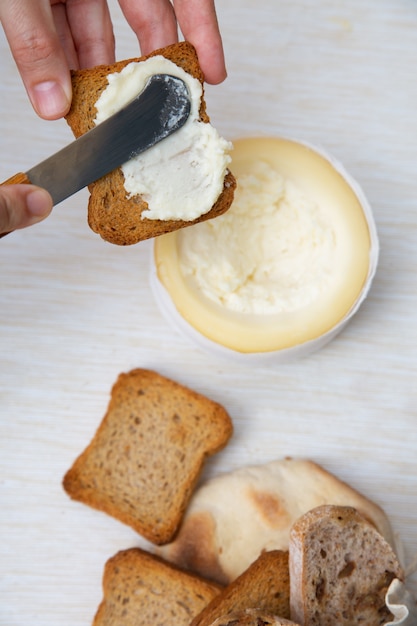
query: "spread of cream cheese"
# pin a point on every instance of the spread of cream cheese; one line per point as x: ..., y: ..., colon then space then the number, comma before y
x: 181, y: 177
x: 272, y: 252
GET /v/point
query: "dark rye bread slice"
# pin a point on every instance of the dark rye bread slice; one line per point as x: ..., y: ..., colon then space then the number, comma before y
x: 265, y: 585
x: 111, y: 214
x: 252, y: 617
x: 340, y: 569
x: 141, y: 590
x: 147, y: 454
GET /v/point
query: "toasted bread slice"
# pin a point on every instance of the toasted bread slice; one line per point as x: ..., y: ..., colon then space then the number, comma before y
x: 147, y: 454
x: 340, y: 569
x: 270, y: 498
x: 111, y: 214
x: 252, y: 617
x: 264, y: 585
x: 140, y: 589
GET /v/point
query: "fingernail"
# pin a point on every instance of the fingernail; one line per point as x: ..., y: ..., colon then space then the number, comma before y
x: 39, y: 204
x: 50, y: 99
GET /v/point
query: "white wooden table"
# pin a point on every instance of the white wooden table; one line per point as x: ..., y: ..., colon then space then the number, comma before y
x: 75, y: 311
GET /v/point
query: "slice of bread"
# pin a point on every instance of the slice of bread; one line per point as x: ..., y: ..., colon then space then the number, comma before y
x: 147, y: 454
x: 111, y: 213
x: 270, y: 498
x: 141, y: 590
x: 252, y: 617
x: 340, y: 569
x: 264, y: 585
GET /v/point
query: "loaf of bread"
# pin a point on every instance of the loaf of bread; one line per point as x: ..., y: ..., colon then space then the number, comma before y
x: 252, y: 617
x: 141, y: 590
x: 264, y: 585
x: 111, y: 213
x: 263, y: 502
x: 340, y: 569
x: 147, y: 454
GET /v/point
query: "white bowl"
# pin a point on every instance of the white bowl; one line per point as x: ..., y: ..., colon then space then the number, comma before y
x: 323, y: 264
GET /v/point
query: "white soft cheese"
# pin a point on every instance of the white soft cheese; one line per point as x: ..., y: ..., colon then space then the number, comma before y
x: 285, y: 268
x: 181, y: 177
x: 272, y: 252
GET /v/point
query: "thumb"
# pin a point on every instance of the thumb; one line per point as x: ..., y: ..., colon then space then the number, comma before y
x: 22, y: 206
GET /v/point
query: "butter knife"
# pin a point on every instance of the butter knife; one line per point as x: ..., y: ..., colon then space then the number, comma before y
x: 158, y: 111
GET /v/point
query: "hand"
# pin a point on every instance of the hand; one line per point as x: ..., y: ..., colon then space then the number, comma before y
x: 48, y: 37
x: 155, y: 23
x: 22, y: 205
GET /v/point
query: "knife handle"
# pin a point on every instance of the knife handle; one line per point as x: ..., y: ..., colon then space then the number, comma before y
x: 17, y: 179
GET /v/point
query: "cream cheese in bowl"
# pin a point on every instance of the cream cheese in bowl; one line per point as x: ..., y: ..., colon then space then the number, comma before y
x: 281, y: 272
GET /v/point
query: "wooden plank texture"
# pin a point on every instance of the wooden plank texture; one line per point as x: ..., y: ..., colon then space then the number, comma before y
x: 75, y: 311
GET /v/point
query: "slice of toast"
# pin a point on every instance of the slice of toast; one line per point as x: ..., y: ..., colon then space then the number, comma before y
x: 111, y: 214
x: 140, y: 589
x: 340, y: 569
x: 148, y: 452
x: 252, y: 617
x: 265, y: 585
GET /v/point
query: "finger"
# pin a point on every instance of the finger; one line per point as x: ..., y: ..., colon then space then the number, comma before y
x: 92, y: 31
x: 64, y: 33
x: 22, y: 206
x: 199, y: 25
x: 30, y: 31
x: 153, y: 21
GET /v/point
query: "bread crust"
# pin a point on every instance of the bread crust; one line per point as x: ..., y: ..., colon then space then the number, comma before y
x: 340, y: 569
x: 264, y: 585
x: 111, y: 214
x: 252, y: 617
x: 148, y: 452
x: 139, y: 590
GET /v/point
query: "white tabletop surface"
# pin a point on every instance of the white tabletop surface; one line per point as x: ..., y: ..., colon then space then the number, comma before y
x: 76, y: 311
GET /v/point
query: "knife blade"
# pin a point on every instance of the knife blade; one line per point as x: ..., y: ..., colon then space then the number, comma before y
x: 158, y: 111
